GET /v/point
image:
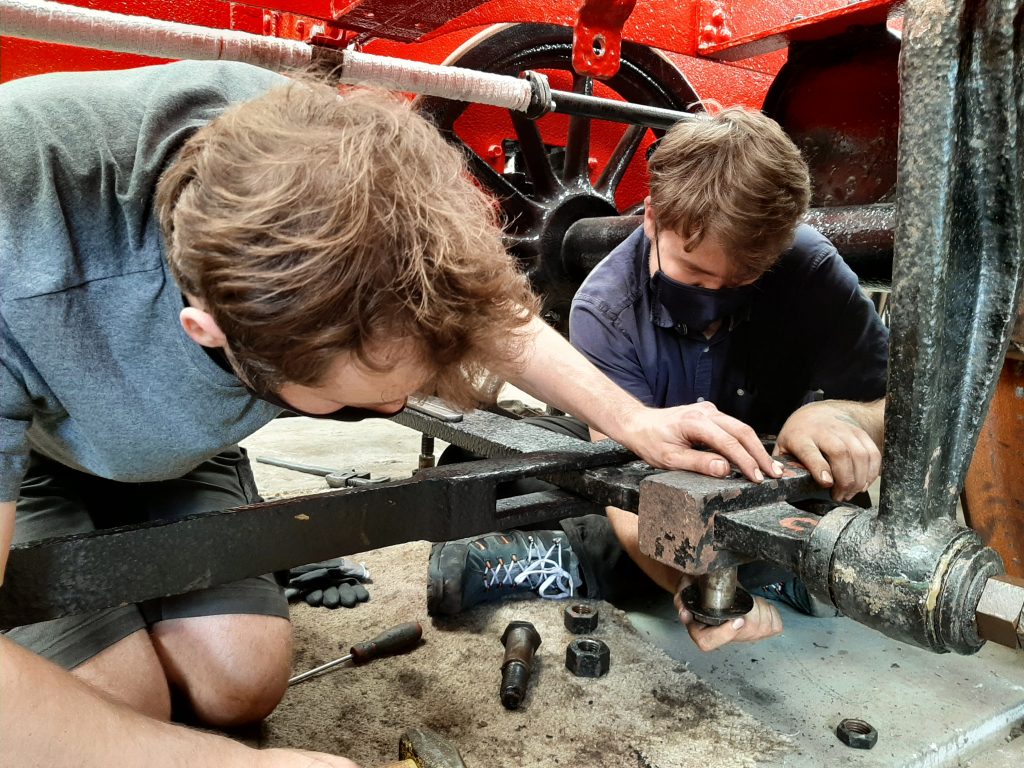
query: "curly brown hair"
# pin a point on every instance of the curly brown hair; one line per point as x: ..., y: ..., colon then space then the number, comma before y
x: 312, y: 222
x: 733, y: 175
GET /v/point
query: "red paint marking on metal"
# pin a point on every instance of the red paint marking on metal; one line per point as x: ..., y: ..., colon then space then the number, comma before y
x: 719, y: 42
x: 597, y: 37
x: 798, y: 524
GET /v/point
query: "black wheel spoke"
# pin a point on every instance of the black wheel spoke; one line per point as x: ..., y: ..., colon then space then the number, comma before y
x: 577, y: 144
x: 525, y: 248
x: 534, y: 154
x: 619, y: 161
x: 520, y: 211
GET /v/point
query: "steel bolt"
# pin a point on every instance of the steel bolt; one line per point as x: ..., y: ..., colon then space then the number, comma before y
x: 580, y: 619
x: 521, y: 641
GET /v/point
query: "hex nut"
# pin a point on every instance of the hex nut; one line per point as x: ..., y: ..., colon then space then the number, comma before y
x: 580, y: 618
x: 857, y: 734
x: 998, y: 615
x: 588, y: 657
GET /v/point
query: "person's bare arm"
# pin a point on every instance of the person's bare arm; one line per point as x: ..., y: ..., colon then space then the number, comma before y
x: 559, y: 375
x: 839, y: 443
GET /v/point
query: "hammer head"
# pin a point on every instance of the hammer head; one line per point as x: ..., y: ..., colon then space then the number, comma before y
x: 427, y: 749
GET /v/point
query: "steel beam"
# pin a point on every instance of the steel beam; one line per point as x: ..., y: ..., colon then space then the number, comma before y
x: 84, y: 572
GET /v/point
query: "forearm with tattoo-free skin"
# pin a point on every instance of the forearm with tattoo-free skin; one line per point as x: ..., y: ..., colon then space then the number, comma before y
x: 558, y: 374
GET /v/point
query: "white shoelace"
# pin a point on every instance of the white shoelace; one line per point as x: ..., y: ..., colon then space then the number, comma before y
x: 542, y: 571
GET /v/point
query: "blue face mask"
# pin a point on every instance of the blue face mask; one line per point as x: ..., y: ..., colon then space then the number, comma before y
x: 693, y: 306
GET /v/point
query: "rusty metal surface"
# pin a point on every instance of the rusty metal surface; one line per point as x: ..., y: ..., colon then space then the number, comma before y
x: 678, y: 511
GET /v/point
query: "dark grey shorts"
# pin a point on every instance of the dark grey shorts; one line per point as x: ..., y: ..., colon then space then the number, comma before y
x: 57, y: 500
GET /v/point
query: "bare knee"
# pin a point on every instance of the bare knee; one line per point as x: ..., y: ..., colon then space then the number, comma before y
x: 130, y: 672
x: 231, y: 669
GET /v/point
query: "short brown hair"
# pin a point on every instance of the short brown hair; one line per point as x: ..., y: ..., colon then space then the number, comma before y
x: 313, y: 223
x: 733, y: 175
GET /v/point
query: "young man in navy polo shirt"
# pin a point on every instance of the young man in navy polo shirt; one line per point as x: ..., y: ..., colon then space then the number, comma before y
x: 721, y: 297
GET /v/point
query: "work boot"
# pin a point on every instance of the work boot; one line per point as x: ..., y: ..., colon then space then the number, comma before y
x: 469, y: 571
x: 793, y: 593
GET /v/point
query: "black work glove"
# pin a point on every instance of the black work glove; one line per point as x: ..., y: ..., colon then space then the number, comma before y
x: 331, y: 583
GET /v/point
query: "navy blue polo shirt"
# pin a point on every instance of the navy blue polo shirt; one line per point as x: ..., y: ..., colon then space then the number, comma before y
x: 808, y: 329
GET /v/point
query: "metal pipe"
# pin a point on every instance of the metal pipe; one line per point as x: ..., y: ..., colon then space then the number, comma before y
x: 863, y: 236
x: 616, y: 111
x: 718, y: 589
x: 57, y: 23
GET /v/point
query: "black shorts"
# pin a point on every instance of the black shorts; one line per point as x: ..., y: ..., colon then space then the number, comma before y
x: 57, y: 500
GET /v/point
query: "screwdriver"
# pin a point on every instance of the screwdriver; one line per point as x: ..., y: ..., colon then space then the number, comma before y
x: 398, y: 639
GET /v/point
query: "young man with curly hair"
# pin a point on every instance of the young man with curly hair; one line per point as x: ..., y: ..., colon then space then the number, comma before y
x: 184, y: 251
x: 722, y: 300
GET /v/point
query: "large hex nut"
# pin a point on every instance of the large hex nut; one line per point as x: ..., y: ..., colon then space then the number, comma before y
x: 580, y: 618
x: 588, y: 657
x: 999, y: 611
x: 857, y: 734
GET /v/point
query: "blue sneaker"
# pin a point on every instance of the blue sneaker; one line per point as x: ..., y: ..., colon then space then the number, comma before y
x: 794, y: 594
x: 470, y: 571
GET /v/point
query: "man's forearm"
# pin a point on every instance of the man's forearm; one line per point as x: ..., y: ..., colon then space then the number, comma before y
x: 558, y: 374
x: 49, y: 719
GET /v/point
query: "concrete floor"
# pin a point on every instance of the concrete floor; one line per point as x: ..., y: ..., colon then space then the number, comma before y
x: 930, y: 710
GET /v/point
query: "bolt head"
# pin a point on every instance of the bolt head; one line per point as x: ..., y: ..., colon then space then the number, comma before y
x: 998, y: 615
x: 523, y: 625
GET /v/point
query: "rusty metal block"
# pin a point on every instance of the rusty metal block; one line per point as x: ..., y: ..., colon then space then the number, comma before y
x: 998, y: 615
x: 677, y: 513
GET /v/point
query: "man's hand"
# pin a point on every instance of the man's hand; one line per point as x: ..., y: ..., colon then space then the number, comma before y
x: 559, y: 375
x: 837, y: 441
x: 668, y: 438
x: 762, y: 622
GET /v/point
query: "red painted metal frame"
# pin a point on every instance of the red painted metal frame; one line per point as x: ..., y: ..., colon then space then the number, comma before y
x: 597, y: 37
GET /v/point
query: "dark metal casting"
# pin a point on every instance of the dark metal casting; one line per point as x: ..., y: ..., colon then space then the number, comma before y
x: 959, y: 246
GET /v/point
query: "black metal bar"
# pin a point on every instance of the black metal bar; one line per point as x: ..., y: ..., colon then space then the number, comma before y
x: 85, y: 572
x: 595, y: 107
x: 492, y: 435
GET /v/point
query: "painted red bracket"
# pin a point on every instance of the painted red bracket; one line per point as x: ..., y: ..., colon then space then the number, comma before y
x: 597, y: 37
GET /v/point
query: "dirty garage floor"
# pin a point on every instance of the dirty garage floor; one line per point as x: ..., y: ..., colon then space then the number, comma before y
x: 930, y: 710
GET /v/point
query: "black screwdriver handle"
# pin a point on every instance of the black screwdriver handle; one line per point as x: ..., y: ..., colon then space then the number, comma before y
x: 398, y: 639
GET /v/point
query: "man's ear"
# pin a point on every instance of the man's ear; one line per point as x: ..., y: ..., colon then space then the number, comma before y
x: 649, y: 228
x: 202, y: 328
